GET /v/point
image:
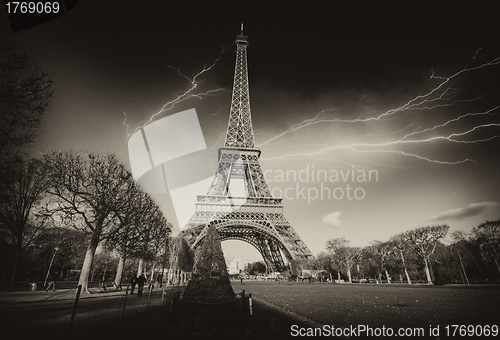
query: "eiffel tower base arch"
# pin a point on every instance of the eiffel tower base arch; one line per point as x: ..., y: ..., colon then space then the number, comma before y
x: 269, y: 233
x: 273, y: 252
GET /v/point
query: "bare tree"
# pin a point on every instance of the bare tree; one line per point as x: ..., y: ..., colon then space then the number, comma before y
x: 158, y: 230
x: 459, y: 247
x: 334, y: 245
x: 155, y: 230
x: 399, y: 245
x: 327, y: 263
x: 25, y: 93
x: 89, y: 189
x: 124, y: 242
x: 20, y: 215
x: 349, y: 257
x: 487, y: 236
x: 344, y: 254
x: 181, y: 259
x: 424, y: 241
x: 383, y: 251
x: 126, y: 235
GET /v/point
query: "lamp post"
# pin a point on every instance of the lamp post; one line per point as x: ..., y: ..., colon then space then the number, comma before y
x: 50, y: 265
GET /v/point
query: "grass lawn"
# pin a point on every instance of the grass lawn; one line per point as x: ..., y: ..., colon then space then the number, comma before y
x: 305, y: 305
x: 375, y: 305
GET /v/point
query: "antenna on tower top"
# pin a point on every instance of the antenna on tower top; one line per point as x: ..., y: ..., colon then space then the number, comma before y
x: 241, y: 38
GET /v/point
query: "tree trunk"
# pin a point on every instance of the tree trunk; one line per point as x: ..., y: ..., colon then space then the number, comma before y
x: 15, y: 269
x: 152, y: 271
x: 463, y: 269
x: 498, y: 265
x: 387, y: 276
x: 477, y: 264
x: 18, y: 239
x: 427, y: 272
x: 172, y: 276
x: 406, y: 273
x: 349, y: 274
x: 87, y: 264
x: 139, y: 268
x: 119, y: 272
x: 407, y: 276
x: 462, y: 276
x: 404, y: 266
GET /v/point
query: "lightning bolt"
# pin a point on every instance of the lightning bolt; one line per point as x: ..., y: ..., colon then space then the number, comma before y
x: 442, y: 94
x: 191, y: 92
x: 125, y: 119
x: 452, y: 121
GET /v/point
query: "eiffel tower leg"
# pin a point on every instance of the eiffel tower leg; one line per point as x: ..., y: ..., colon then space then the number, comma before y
x: 221, y: 180
x: 290, y: 239
x: 256, y: 176
x: 271, y: 253
x: 276, y: 256
x: 266, y: 254
x: 250, y: 185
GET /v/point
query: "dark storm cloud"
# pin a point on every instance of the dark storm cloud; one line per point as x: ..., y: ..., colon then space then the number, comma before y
x: 305, y: 48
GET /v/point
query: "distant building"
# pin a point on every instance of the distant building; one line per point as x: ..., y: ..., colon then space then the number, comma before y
x: 236, y: 266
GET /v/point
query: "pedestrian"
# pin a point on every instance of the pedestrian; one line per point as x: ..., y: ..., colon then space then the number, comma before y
x: 133, y: 282
x: 241, y: 277
x: 141, y: 280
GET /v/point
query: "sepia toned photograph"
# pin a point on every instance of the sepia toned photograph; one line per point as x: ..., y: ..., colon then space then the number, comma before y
x: 249, y: 170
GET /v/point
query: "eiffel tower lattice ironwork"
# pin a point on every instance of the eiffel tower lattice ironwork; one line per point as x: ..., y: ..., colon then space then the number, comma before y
x: 254, y: 217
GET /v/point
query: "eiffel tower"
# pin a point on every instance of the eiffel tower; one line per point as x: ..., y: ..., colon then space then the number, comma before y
x: 254, y: 217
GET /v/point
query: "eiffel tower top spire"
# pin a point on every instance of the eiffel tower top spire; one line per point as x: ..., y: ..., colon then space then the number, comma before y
x: 240, y: 130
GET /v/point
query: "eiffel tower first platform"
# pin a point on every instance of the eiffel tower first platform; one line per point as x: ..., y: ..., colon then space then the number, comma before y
x: 254, y: 217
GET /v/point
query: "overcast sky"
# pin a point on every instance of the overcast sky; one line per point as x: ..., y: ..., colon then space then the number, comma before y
x: 405, y: 90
